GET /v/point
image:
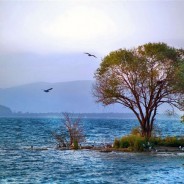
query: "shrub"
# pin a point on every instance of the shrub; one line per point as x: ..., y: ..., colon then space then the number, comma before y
x: 167, y: 141
x: 136, y: 131
x: 155, y: 141
x: 138, y: 143
x: 134, y: 142
x: 116, y: 143
x: 124, y: 143
x: 75, y: 145
x: 70, y: 132
x: 172, y: 141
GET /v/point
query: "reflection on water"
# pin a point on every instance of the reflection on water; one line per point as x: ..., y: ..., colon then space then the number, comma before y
x: 20, y: 164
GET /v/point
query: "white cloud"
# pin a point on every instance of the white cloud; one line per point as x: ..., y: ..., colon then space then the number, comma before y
x: 79, y: 27
x: 80, y: 24
x: 96, y: 26
x: 75, y: 28
x: 72, y: 27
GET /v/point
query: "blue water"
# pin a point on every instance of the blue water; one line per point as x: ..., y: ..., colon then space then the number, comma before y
x: 19, y: 164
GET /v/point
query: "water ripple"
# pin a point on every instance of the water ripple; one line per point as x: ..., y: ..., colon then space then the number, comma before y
x: 20, y: 164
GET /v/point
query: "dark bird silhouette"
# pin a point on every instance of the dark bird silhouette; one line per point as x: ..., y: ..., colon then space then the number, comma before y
x: 47, y: 90
x: 90, y: 54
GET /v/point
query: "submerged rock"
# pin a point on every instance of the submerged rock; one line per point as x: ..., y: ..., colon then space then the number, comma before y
x: 105, y: 150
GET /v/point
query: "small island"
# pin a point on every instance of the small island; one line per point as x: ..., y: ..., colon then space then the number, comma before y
x: 140, y: 79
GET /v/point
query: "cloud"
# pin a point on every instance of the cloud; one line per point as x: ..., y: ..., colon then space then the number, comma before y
x: 67, y: 26
x: 75, y: 28
x: 70, y: 27
x: 80, y: 24
x: 79, y: 27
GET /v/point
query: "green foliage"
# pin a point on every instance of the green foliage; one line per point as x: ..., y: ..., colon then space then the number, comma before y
x: 75, y: 145
x: 124, y: 142
x: 136, y: 131
x: 115, y: 58
x: 142, y: 79
x: 116, y: 143
x: 139, y: 59
x: 167, y: 141
x: 138, y: 143
x: 156, y: 141
x: 172, y: 141
x: 159, y: 50
x: 133, y: 142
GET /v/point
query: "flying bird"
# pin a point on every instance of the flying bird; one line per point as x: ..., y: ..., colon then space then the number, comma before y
x: 90, y: 54
x: 47, y: 90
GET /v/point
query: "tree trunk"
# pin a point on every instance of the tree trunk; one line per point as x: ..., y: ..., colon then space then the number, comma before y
x: 146, y: 128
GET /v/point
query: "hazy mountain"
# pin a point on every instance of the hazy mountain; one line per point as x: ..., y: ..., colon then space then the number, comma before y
x: 73, y: 97
x: 4, y: 111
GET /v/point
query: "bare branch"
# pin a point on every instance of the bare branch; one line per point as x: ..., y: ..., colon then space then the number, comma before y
x: 142, y: 79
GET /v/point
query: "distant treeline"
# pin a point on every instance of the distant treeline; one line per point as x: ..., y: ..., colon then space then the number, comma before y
x: 82, y: 115
x: 8, y: 113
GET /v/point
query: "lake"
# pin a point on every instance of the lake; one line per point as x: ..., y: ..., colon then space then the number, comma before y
x: 20, y: 164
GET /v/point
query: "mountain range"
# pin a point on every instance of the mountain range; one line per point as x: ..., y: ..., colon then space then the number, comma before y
x: 74, y: 97
x: 5, y: 111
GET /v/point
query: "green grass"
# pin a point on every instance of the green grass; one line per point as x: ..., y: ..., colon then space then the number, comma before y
x: 134, y: 142
x: 138, y: 143
x: 168, y: 141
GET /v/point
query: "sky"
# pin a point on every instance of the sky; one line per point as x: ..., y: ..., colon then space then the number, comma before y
x: 45, y: 41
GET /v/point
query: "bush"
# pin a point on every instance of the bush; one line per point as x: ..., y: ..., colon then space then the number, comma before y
x: 155, y: 141
x: 138, y: 143
x: 75, y: 145
x: 116, y: 143
x: 133, y: 142
x: 124, y: 143
x: 172, y: 141
x: 70, y: 133
x: 136, y: 131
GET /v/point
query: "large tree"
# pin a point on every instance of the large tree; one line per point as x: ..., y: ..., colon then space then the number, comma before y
x: 142, y: 79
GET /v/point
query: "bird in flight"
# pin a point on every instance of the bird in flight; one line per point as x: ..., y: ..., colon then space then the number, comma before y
x: 47, y: 90
x: 90, y: 54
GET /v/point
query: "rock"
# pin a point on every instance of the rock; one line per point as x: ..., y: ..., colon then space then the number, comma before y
x: 105, y: 150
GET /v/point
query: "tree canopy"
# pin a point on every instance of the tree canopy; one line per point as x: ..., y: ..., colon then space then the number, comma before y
x: 142, y: 79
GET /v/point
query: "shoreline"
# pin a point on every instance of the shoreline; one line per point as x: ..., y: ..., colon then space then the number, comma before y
x: 157, y: 149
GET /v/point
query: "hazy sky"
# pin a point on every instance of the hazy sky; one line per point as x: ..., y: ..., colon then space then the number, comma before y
x: 46, y: 40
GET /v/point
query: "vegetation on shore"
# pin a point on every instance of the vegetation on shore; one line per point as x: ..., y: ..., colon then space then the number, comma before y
x: 136, y: 142
x: 71, y: 135
x: 141, y: 79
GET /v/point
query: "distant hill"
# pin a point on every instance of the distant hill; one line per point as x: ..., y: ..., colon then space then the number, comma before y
x: 74, y: 97
x: 4, y: 111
